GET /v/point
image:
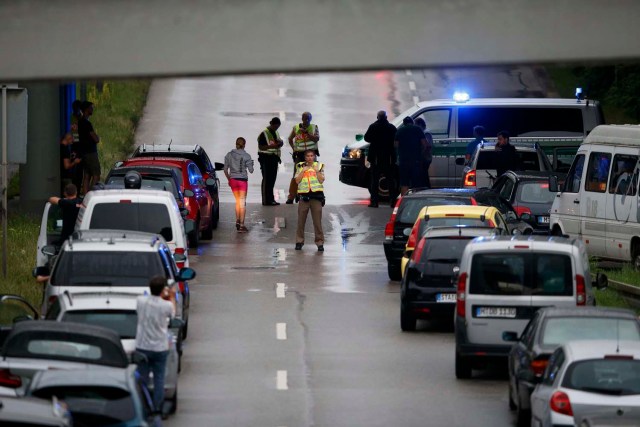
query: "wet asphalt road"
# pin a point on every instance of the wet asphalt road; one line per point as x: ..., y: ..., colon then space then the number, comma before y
x: 299, y: 338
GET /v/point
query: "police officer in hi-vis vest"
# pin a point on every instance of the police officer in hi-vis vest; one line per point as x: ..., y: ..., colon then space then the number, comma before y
x: 304, y: 136
x: 269, y: 143
x: 309, y: 176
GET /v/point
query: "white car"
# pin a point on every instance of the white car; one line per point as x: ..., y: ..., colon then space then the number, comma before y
x: 589, y: 378
x: 117, y: 311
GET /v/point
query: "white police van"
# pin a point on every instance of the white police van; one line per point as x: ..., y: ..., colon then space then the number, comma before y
x: 599, y: 199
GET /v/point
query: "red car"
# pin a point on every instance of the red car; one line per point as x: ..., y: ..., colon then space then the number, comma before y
x: 197, y: 199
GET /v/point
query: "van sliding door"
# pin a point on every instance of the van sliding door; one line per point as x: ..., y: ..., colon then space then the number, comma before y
x: 622, y: 205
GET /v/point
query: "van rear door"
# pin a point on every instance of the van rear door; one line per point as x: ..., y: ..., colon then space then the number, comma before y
x: 553, y: 280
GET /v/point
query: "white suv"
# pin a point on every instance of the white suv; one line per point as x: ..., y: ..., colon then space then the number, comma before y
x: 110, y: 260
x: 504, y: 280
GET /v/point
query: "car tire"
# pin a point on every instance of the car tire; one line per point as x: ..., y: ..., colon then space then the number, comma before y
x: 407, y: 321
x: 523, y: 416
x: 463, y: 367
x: 207, y: 234
x: 394, y: 271
x: 194, y: 237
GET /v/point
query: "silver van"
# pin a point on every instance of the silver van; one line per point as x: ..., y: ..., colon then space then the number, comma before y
x: 504, y: 280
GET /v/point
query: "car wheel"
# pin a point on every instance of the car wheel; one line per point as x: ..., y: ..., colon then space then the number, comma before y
x: 556, y: 231
x: 194, y: 237
x: 635, y: 257
x: 523, y: 416
x: 407, y: 321
x: 394, y: 271
x: 208, y: 233
x: 463, y: 367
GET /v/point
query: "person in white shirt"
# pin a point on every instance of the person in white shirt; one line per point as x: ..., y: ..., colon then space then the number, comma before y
x: 154, y: 313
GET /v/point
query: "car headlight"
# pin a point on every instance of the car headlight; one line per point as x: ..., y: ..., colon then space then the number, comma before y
x: 355, y: 153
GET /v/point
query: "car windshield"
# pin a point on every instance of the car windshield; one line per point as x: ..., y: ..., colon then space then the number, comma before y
x: 489, y: 159
x: 93, y: 405
x: 96, y: 268
x: 165, y: 183
x: 558, y: 330
x: 535, y: 192
x: 123, y: 322
x: 508, y: 273
x: 615, y: 376
x: 147, y: 217
x: 410, y: 207
x: 439, y: 256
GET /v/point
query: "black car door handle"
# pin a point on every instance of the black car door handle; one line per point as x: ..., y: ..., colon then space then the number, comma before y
x: 577, y: 202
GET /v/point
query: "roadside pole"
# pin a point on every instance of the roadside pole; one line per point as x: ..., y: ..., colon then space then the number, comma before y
x: 5, y: 181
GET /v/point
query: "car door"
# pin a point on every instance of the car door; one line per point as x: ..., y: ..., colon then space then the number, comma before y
x: 621, y: 206
x: 200, y: 191
x: 543, y: 391
x: 593, y: 203
x: 521, y: 354
x: 439, y: 124
x: 50, y: 230
x: 567, y: 203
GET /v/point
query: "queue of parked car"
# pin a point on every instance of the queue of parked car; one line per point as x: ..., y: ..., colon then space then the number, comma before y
x: 527, y: 298
x: 140, y: 224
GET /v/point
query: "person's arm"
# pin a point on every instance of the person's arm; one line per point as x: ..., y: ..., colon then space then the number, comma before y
x: 300, y: 175
x: 249, y: 164
x: 226, y: 167
x: 316, y: 135
x: 263, y: 144
x: 320, y: 174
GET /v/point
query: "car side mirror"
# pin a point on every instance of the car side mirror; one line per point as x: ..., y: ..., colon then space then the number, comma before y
x: 40, y: 271
x: 218, y: 166
x: 510, y: 336
x: 189, y: 226
x: 49, y: 250
x: 176, y: 324
x: 601, y: 282
x: 186, y: 273
x: 188, y: 193
x: 525, y: 216
x: 406, y: 232
x: 138, y: 358
x: 359, y: 137
x: 511, y: 216
x: 460, y: 161
x: 210, y: 182
x: 553, y: 184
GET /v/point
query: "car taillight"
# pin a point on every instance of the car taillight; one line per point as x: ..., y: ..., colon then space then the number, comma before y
x: 52, y: 299
x: 539, y: 365
x: 521, y: 210
x: 462, y: 284
x: 470, y: 179
x: 388, y: 229
x: 418, y: 252
x: 413, y: 237
x: 581, y: 291
x: 560, y: 403
x: 7, y: 379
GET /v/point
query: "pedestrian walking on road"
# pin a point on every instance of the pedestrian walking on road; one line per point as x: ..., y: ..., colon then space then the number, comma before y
x: 304, y: 136
x: 269, y: 143
x: 89, y: 147
x: 70, y: 206
x: 428, y: 150
x: 381, y: 156
x: 152, y: 334
x: 410, y: 144
x: 237, y: 165
x: 309, y: 178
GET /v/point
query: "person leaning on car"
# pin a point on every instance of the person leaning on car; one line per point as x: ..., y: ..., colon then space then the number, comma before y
x: 381, y: 155
x: 154, y: 313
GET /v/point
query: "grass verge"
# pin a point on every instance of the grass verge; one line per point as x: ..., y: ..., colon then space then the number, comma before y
x: 118, y: 108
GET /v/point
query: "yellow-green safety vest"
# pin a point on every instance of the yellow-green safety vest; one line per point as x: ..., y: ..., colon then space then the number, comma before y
x: 300, y: 141
x: 309, y: 182
x: 269, y: 139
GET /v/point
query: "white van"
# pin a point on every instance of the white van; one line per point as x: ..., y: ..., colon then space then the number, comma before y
x: 599, y: 199
x: 148, y: 211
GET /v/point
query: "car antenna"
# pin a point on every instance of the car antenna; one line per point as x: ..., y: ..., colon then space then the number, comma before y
x: 617, y: 336
x: 169, y: 149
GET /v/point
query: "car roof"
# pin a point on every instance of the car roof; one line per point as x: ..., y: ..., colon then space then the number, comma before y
x: 534, y: 241
x: 121, y: 192
x: 518, y: 146
x: 105, y: 377
x: 113, y: 241
x: 607, y: 312
x: 435, y: 232
x: 598, y: 349
x: 99, y: 301
x: 466, y: 210
x: 628, y: 135
x: 177, y: 148
x: 532, y: 175
x: 144, y: 169
x: 440, y: 192
x: 32, y: 411
x: 177, y: 161
x: 503, y: 102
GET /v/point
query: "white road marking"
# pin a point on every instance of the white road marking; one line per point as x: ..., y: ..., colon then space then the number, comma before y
x: 282, y: 115
x: 280, y: 290
x: 281, y: 222
x: 281, y: 331
x: 412, y: 85
x: 408, y: 72
x: 281, y: 380
x: 282, y: 252
x: 282, y: 92
x: 416, y: 99
x: 254, y: 290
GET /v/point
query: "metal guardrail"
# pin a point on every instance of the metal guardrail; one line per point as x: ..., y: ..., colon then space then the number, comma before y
x: 630, y: 293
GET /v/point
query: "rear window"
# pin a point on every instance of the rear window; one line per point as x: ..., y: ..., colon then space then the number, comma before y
x: 617, y: 377
x: 147, y: 217
x: 558, y: 330
x: 535, y: 192
x: 164, y: 183
x: 106, y: 268
x: 528, y: 160
x: 439, y: 256
x: 64, y: 349
x: 507, y: 273
x: 124, y: 322
x: 521, y: 121
x: 93, y: 405
x: 410, y: 207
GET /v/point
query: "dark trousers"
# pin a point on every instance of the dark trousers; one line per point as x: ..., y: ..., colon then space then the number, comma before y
x: 157, y: 363
x: 269, y: 168
x: 374, y: 184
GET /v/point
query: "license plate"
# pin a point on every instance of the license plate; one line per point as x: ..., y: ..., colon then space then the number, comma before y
x: 543, y: 220
x: 508, y: 312
x: 445, y: 297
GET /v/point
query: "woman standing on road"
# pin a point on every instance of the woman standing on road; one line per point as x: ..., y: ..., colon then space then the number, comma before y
x: 236, y: 164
